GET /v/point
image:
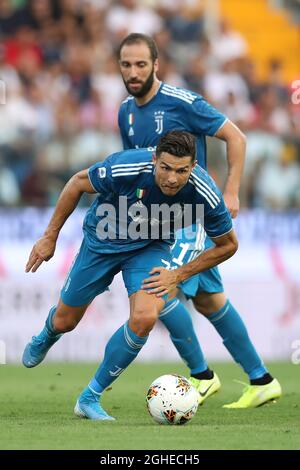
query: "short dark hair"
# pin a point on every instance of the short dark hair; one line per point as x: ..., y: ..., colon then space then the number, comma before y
x: 137, y: 38
x: 177, y: 143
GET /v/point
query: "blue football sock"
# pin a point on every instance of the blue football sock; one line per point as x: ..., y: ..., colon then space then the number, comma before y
x: 49, y: 322
x: 232, y: 329
x: 120, y: 351
x: 49, y: 332
x: 177, y: 320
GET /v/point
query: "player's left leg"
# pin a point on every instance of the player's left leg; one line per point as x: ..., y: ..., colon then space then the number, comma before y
x: 127, y: 341
x: 230, y: 326
x: 178, y: 321
x: 120, y: 351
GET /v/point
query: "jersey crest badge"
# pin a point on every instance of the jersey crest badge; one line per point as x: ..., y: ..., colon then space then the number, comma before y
x: 159, y: 119
x: 102, y: 172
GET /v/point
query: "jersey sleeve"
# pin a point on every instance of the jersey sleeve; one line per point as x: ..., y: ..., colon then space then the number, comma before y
x: 204, y: 118
x: 124, y: 136
x: 100, y: 177
x: 217, y: 219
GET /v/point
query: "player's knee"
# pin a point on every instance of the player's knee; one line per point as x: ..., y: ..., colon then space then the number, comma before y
x: 142, y: 321
x: 201, y: 307
x: 208, y: 303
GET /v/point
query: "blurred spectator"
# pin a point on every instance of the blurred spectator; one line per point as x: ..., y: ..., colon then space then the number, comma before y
x: 276, y: 80
x: 9, y: 190
x: 184, y: 20
x: 22, y: 46
x: 269, y: 115
x: 110, y: 88
x: 277, y: 184
x: 10, y: 18
x: 8, y: 74
x: 228, y: 45
x: 126, y: 16
x: 40, y: 13
x: 219, y: 83
x: 168, y: 73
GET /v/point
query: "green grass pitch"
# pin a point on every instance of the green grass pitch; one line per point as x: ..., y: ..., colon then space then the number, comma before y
x: 36, y: 411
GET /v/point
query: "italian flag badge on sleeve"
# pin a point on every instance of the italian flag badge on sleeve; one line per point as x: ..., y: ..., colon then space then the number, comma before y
x: 140, y: 193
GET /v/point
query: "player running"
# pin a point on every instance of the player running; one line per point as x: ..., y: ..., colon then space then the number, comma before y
x: 116, y: 240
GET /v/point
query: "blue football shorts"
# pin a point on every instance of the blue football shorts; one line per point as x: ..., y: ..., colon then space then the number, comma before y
x: 183, y: 251
x: 91, y: 273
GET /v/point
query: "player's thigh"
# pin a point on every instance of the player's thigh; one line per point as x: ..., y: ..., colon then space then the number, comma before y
x: 138, y: 267
x: 90, y: 274
x: 144, y: 307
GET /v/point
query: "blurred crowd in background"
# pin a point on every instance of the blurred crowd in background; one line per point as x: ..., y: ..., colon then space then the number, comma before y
x: 58, y: 61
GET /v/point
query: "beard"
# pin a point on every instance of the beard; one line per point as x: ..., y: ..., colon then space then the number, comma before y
x: 145, y: 88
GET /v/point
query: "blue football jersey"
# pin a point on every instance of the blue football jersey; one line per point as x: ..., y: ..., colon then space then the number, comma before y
x: 124, y: 216
x: 170, y: 109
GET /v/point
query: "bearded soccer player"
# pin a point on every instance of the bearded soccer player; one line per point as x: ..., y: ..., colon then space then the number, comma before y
x: 131, y: 240
x: 152, y: 109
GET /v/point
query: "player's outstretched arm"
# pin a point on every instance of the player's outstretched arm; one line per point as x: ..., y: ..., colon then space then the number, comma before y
x: 44, y: 248
x: 236, y: 149
x: 162, y: 281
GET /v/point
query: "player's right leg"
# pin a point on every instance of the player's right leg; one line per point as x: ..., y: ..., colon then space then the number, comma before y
x: 178, y: 321
x: 89, y: 275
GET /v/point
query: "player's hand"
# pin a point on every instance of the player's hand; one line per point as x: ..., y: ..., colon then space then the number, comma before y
x: 43, y: 250
x: 232, y: 203
x: 162, y: 281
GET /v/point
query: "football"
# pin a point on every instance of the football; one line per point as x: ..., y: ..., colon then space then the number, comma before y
x: 171, y: 399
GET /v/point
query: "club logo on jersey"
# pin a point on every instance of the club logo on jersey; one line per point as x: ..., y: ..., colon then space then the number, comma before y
x: 102, y: 172
x: 130, y: 122
x: 159, y: 119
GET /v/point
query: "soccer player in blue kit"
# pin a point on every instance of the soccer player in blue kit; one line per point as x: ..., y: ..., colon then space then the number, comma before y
x: 152, y: 109
x: 125, y: 238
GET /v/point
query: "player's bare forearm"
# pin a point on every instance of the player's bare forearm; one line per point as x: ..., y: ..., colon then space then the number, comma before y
x: 67, y: 202
x: 162, y: 281
x: 235, y: 151
x: 224, y: 248
x: 44, y: 248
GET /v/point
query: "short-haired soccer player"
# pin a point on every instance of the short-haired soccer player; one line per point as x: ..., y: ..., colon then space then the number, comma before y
x: 140, y: 181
